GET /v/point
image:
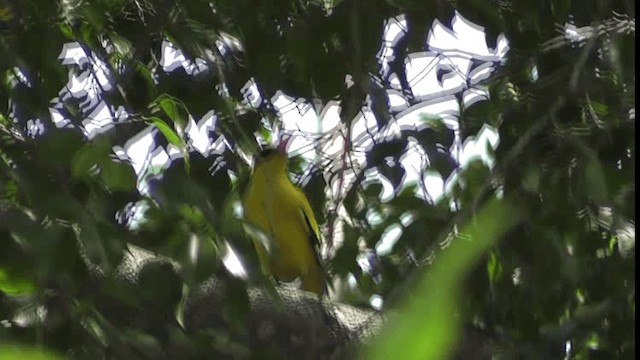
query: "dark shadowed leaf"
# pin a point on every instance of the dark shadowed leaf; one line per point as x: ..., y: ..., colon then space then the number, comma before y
x: 118, y: 176
x: 89, y: 156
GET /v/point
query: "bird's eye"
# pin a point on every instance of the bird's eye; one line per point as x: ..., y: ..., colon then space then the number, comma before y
x: 266, y: 153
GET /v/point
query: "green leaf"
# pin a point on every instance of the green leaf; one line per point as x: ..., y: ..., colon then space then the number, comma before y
x: 118, y: 176
x: 494, y: 268
x: 595, y: 182
x: 59, y: 147
x: 601, y: 110
x: 175, y: 110
x: 67, y: 31
x: 425, y: 327
x: 532, y: 179
x: 344, y: 260
x: 14, y: 351
x: 143, y: 342
x: 15, y: 285
x: 373, y: 190
x: 434, y: 121
x: 166, y: 130
x: 169, y: 106
x: 90, y: 155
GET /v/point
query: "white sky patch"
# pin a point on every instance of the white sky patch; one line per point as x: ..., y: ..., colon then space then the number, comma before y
x: 393, y: 31
x: 78, y: 84
x: 390, y: 131
x: 101, y: 119
x: 101, y: 75
x: 373, y: 176
x: 434, y: 184
x: 159, y: 158
x: 301, y: 117
x: 451, y: 180
x: 58, y: 119
x: 174, y: 152
x: 73, y: 54
x: 394, y: 81
x: 219, y: 145
x: 120, y: 153
x: 396, y: 100
x: 251, y: 93
x: 476, y: 147
x: 137, y: 210
x: 474, y: 95
x: 298, y: 116
x: 334, y: 182
x: 330, y: 116
x: 447, y: 108
x: 20, y: 76
x: 455, y: 71
x: 142, y: 143
x: 463, y: 37
x: 283, y: 102
x: 199, y: 132
x: 333, y: 147
x: 299, y: 145
x: 364, y: 124
x: 173, y: 58
x: 421, y: 74
x: 481, y: 73
x: 220, y: 45
x: 90, y: 82
x: 388, y: 239
x: 413, y: 160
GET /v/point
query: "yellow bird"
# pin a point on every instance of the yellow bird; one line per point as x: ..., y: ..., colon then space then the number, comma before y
x: 281, y: 210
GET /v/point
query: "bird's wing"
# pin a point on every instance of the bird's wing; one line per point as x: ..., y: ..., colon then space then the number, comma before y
x: 309, y: 219
x: 311, y: 225
x: 314, y: 242
x: 313, y: 234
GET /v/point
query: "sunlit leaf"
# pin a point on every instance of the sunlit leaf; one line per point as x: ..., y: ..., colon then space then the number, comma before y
x: 171, y: 136
x: 176, y: 111
x: 15, y: 285
x: 14, y: 351
x: 426, y: 327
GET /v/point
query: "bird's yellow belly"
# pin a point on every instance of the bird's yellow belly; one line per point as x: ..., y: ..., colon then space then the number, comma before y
x: 291, y: 251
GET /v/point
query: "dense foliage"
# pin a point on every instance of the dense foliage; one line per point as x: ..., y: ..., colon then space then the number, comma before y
x: 537, y: 251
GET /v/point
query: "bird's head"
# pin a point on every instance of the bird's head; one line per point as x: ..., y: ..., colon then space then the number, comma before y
x: 273, y: 157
